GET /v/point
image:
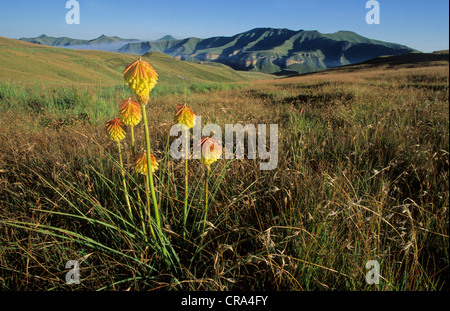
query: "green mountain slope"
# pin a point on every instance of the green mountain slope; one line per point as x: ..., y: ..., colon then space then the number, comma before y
x: 29, y: 63
x: 273, y: 50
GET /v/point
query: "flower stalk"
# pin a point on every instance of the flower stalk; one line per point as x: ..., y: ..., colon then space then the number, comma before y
x: 125, y: 188
x: 131, y: 114
x: 149, y: 166
x: 186, y: 183
x: 185, y: 117
x: 148, y: 206
x: 211, y: 152
x: 141, y: 166
x: 116, y: 133
x: 206, y: 199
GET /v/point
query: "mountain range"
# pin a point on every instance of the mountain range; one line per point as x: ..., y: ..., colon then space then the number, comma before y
x: 102, y: 43
x: 268, y: 50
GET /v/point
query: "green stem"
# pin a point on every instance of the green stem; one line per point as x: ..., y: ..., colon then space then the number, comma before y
x: 206, y: 200
x: 122, y: 171
x: 133, y: 152
x: 186, y: 184
x: 133, y: 156
x: 142, y: 222
x: 150, y: 178
x: 149, y: 166
x: 148, y: 207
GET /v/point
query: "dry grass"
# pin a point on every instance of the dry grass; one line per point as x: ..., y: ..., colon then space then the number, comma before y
x: 362, y: 175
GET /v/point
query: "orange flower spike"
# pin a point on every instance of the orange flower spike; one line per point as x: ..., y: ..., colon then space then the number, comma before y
x: 130, y: 112
x: 211, y: 150
x: 185, y: 115
x: 140, y: 163
x: 114, y: 129
x: 141, y: 78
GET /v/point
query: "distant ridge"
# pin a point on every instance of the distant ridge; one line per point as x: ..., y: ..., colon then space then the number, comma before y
x: 273, y: 50
x: 166, y: 38
x: 267, y: 50
x: 67, y: 42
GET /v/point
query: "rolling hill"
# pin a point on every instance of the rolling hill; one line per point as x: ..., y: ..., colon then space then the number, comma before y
x: 29, y: 63
x: 272, y: 50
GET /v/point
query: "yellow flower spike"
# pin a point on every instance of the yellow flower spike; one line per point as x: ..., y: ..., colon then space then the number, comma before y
x: 184, y: 115
x: 141, y: 78
x: 140, y: 163
x: 211, y: 150
x: 130, y: 112
x: 115, y: 130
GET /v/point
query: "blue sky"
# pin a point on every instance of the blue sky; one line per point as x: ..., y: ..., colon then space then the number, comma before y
x: 423, y: 25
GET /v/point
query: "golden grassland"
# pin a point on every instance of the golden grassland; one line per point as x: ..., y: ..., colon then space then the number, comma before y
x: 362, y: 175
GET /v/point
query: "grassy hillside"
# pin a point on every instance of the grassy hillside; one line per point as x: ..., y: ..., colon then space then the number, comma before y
x: 31, y: 63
